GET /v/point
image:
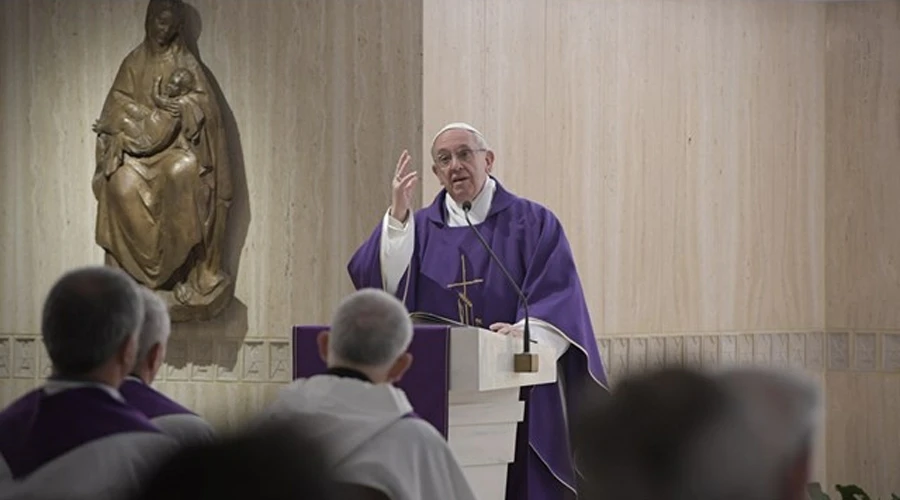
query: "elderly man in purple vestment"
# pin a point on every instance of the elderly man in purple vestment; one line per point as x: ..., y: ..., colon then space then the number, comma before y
x: 435, y: 264
x: 175, y: 420
x: 76, y: 437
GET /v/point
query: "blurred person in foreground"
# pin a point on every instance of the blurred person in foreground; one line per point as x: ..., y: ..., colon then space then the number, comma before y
x: 174, y: 419
x: 743, y: 434
x: 76, y: 437
x: 274, y: 461
x: 366, y: 425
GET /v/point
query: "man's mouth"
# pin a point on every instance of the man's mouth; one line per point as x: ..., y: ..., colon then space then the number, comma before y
x: 459, y: 180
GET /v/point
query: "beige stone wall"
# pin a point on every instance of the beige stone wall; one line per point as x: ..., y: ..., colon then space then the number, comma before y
x: 726, y: 174
x: 725, y: 171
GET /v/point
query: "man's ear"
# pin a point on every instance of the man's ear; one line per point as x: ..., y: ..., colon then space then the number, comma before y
x: 127, y: 353
x: 489, y: 161
x: 435, y: 170
x: 155, y: 357
x: 395, y: 373
x: 322, y: 341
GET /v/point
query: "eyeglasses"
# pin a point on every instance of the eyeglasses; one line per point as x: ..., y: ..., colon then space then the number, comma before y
x: 465, y: 155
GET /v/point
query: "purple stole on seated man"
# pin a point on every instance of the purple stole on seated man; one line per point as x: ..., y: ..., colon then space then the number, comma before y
x: 40, y: 427
x: 452, y: 275
x: 149, y: 401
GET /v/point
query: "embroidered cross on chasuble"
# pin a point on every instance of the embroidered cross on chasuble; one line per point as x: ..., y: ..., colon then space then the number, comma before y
x: 464, y: 303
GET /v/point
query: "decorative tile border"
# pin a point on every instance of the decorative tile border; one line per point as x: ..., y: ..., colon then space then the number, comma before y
x: 200, y: 359
x: 811, y: 351
x: 204, y: 359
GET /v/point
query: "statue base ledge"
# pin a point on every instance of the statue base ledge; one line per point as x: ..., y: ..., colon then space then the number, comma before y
x: 203, y: 307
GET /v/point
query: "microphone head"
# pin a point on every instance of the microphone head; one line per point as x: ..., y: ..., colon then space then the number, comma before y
x: 466, y: 206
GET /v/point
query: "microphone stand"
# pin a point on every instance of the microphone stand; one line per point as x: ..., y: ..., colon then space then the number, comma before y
x: 526, y: 361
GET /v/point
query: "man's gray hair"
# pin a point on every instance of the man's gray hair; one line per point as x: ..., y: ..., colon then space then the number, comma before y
x: 768, y: 426
x: 87, y: 316
x: 370, y: 328
x: 157, y: 324
x: 685, y: 435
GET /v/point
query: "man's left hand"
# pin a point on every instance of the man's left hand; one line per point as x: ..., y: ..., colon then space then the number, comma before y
x: 507, y: 329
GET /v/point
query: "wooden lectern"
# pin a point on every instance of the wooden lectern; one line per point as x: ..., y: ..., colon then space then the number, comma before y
x: 461, y: 381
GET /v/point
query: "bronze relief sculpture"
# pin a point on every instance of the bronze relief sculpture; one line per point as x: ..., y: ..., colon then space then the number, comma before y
x: 162, y: 179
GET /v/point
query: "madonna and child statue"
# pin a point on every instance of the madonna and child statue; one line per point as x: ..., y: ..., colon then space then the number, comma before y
x: 162, y: 179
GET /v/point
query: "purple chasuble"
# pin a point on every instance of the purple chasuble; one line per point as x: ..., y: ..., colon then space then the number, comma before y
x: 38, y: 427
x: 149, y: 401
x: 452, y: 275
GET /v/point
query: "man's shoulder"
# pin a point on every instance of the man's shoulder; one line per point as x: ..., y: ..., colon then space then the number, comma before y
x: 149, y: 401
x: 530, y: 207
x: 185, y: 427
x: 19, y: 407
x: 417, y: 432
x: 528, y: 214
x: 415, y: 450
x: 122, y: 461
x: 513, y: 206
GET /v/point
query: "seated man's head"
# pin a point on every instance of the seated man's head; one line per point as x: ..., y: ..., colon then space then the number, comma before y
x: 274, y: 461
x: 370, y: 332
x: 681, y: 435
x: 153, y: 337
x: 90, y: 325
x: 180, y: 82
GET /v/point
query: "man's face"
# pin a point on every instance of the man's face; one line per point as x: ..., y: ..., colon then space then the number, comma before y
x: 461, y: 164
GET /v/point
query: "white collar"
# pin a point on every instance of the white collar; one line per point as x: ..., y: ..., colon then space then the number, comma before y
x: 55, y: 386
x: 481, y: 205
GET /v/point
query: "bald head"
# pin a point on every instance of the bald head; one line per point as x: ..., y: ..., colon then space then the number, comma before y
x: 370, y: 328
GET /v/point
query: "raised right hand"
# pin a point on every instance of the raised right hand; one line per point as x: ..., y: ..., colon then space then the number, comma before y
x: 402, y: 188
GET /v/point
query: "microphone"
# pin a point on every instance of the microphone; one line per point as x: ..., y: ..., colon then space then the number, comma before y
x: 526, y: 362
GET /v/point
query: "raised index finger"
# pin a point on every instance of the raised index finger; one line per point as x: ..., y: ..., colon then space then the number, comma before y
x: 402, y: 163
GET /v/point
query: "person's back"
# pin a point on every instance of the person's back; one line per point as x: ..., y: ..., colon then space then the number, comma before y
x: 170, y: 416
x: 175, y: 420
x: 76, y: 437
x: 79, y: 440
x: 366, y: 425
x: 373, y: 437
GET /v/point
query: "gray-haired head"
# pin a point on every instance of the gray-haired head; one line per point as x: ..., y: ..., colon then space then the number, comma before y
x: 370, y: 328
x: 685, y: 435
x: 156, y: 326
x: 766, y: 433
x: 88, y: 315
